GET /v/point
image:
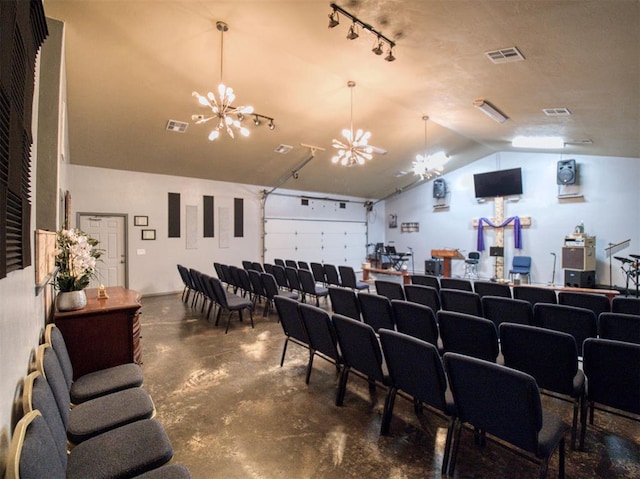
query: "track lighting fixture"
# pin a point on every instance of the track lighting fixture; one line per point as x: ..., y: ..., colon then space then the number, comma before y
x: 334, y: 21
x: 390, y: 56
x: 258, y: 119
x: 377, y: 49
x: 354, y: 33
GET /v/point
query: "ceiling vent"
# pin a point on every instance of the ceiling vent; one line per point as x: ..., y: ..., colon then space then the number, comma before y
x: 556, y: 111
x: 283, y: 149
x: 177, y: 126
x: 505, y: 55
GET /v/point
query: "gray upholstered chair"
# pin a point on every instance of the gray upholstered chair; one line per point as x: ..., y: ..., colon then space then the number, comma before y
x: 97, y: 383
x: 139, y: 450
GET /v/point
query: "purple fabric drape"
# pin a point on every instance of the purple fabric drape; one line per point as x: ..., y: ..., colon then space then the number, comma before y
x: 517, y: 233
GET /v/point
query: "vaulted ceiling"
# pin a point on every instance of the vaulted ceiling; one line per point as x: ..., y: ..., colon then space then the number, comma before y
x: 132, y: 65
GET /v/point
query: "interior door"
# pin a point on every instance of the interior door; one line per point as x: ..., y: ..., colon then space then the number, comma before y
x: 110, y: 231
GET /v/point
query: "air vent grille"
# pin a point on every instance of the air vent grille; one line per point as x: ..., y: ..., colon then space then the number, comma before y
x: 177, y: 126
x: 504, y: 55
x: 556, y: 112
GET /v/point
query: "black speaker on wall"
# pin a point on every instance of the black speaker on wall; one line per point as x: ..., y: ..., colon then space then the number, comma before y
x: 439, y: 188
x: 566, y: 174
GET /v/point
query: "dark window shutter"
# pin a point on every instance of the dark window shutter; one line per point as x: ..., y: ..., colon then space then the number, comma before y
x: 23, y: 28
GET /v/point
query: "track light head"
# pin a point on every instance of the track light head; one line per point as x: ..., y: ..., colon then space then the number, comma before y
x: 256, y: 121
x: 377, y: 49
x: 271, y: 125
x: 390, y: 56
x: 334, y: 21
x: 353, y: 32
x: 240, y: 116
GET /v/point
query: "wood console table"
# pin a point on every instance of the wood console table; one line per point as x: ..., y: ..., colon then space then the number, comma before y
x: 406, y: 278
x: 446, y: 255
x: 105, y: 333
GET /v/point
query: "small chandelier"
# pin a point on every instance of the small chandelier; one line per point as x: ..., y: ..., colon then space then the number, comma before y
x: 426, y: 165
x: 226, y: 116
x: 355, y: 151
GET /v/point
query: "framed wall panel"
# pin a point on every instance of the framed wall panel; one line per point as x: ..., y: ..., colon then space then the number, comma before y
x: 208, y: 216
x: 238, y: 217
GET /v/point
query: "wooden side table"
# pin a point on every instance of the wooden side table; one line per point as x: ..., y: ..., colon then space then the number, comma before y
x: 105, y: 333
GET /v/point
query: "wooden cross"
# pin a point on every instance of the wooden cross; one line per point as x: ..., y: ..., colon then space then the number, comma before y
x: 498, y: 218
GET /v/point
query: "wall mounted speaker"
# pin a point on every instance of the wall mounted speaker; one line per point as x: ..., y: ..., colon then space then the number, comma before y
x: 439, y: 188
x: 566, y: 174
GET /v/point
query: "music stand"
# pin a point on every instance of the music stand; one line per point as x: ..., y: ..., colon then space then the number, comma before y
x: 612, y: 249
x: 496, y: 252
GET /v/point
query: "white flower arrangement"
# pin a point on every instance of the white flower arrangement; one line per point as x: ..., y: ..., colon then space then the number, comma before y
x: 76, y: 258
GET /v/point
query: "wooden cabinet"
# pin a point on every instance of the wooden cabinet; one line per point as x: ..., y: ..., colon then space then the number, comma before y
x: 105, y: 333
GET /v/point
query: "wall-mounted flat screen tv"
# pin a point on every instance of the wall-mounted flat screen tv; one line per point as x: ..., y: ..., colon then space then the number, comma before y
x: 498, y: 183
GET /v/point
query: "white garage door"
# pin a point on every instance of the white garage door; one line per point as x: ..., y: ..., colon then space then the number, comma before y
x: 320, y: 241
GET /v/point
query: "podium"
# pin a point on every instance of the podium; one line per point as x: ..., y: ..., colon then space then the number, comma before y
x: 446, y: 255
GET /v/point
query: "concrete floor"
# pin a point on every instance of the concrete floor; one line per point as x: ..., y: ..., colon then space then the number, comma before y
x: 232, y: 412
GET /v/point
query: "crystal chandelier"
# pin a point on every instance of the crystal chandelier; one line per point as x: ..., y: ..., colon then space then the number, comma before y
x: 355, y: 151
x: 427, y: 165
x: 227, y: 117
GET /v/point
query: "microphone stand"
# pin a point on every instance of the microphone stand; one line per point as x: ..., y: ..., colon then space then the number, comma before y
x: 413, y: 268
x: 553, y: 276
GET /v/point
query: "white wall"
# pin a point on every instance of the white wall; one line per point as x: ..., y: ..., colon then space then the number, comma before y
x: 100, y: 190
x: 608, y: 209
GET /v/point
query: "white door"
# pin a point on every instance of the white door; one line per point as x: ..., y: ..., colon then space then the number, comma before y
x: 110, y: 232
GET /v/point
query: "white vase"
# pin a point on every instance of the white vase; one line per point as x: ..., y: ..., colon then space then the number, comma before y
x: 71, y: 300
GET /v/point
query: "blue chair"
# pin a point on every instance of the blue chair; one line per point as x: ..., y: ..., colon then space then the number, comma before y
x: 521, y: 265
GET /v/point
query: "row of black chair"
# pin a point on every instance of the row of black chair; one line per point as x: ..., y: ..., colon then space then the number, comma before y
x: 478, y: 337
x: 324, y: 274
x: 237, y: 289
x: 372, y: 308
x: 549, y: 358
x: 415, y: 368
x: 211, y: 292
x: 109, y: 432
x: 535, y: 294
x: 582, y: 323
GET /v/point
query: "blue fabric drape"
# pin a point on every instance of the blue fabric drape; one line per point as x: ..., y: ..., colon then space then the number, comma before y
x: 517, y: 230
